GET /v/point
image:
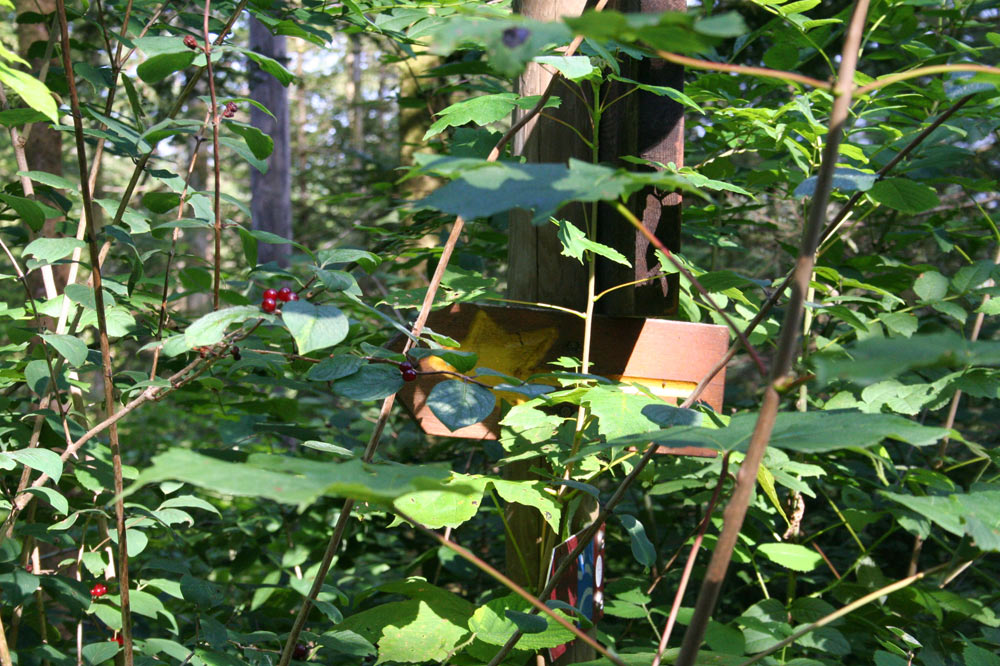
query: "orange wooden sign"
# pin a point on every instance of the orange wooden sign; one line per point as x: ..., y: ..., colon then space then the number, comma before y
x: 668, y: 358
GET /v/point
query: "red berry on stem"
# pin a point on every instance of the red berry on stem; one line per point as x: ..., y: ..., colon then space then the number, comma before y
x: 268, y: 305
x: 300, y: 652
x: 117, y: 639
x: 409, y: 374
x: 190, y: 42
x: 293, y: 296
x: 285, y: 294
x: 98, y: 590
x: 271, y: 293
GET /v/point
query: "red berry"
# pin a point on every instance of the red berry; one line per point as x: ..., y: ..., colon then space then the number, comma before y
x: 98, y: 590
x: 293, y: 296
x: 230, y: 110
x: 190, y: 42
x: 285, y: 294
x: 235, y: 351
x: 271, y: 293
x: 117, y: 639
x: 409, y: 374
x: 268, y: 305
x: 300, y: 652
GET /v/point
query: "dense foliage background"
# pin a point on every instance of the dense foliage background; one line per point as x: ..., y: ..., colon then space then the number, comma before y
x: 240, y: 432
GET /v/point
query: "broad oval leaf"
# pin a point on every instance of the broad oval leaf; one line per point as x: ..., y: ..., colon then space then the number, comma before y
x: 210, y: 328
x: 791, y: 556
x: 314, y: 326
x: 70, y: 347
x: 372, y: 382
x: 458, y: 404
x: 43, y: 460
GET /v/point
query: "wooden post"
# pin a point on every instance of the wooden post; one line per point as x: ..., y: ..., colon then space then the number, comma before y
x: 645, y: 125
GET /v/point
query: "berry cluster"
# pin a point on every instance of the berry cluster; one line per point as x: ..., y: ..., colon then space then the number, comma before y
x: 98, y: 591
x: 230, y: 110
x: 407, y: 371
x: 272, y: 296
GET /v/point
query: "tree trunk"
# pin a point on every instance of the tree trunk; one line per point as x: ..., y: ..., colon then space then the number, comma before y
x: 271, y: 192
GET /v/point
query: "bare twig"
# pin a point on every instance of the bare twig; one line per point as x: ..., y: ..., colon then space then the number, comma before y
x: 102, y: 327
x: 689, y: 565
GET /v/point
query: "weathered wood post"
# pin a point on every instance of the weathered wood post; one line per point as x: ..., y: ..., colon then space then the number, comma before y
x: 628, y: 338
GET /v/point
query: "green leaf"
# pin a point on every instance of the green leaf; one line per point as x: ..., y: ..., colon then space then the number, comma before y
x: 98, y: 653
x: 458, y: 404
x: 161, y: 202
x: 931, y: 286
x: 260, y: 144
x: 482, y: 189
x: 971, y: 514
x: 54, y: 497
x: 50, y: 250
x: 73, y: 349
x: 527, y: 623
x: 530, y: 493
x: 575, y: 243
x: 34, y: 93
x: 642, y: 547
x: 494, y: 626
x: 45, y: 461
x: 293, y: 480
x: 210, y: 328
x: 335, y: 367
x: 50, y: 179
x: 159, y: 67
x: 271, y: 66
x: 844, y: 179
x: 574, y: 68
x: 904, y: 195
x: 878, y: 359
x: 728, y: 24
x: 314, y: 326
x: 462, y: 361
x: 791, y: 556
x: 372, y: 382
x: 481, y: 110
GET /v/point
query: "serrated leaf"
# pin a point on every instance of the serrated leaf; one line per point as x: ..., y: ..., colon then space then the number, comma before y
x: 791, y: 556
x: 458, y: 404
x: 575, y: 243
x: 314, y: 326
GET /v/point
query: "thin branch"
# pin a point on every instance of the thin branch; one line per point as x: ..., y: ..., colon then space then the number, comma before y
x: 695, y: 63
x: 102, y: 327
x: 736, y: 509
x: 217, y: 168
x: 689, y: 565
x: 923, y: 71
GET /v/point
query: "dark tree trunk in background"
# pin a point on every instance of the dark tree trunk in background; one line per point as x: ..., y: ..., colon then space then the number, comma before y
x: 271, y: 202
